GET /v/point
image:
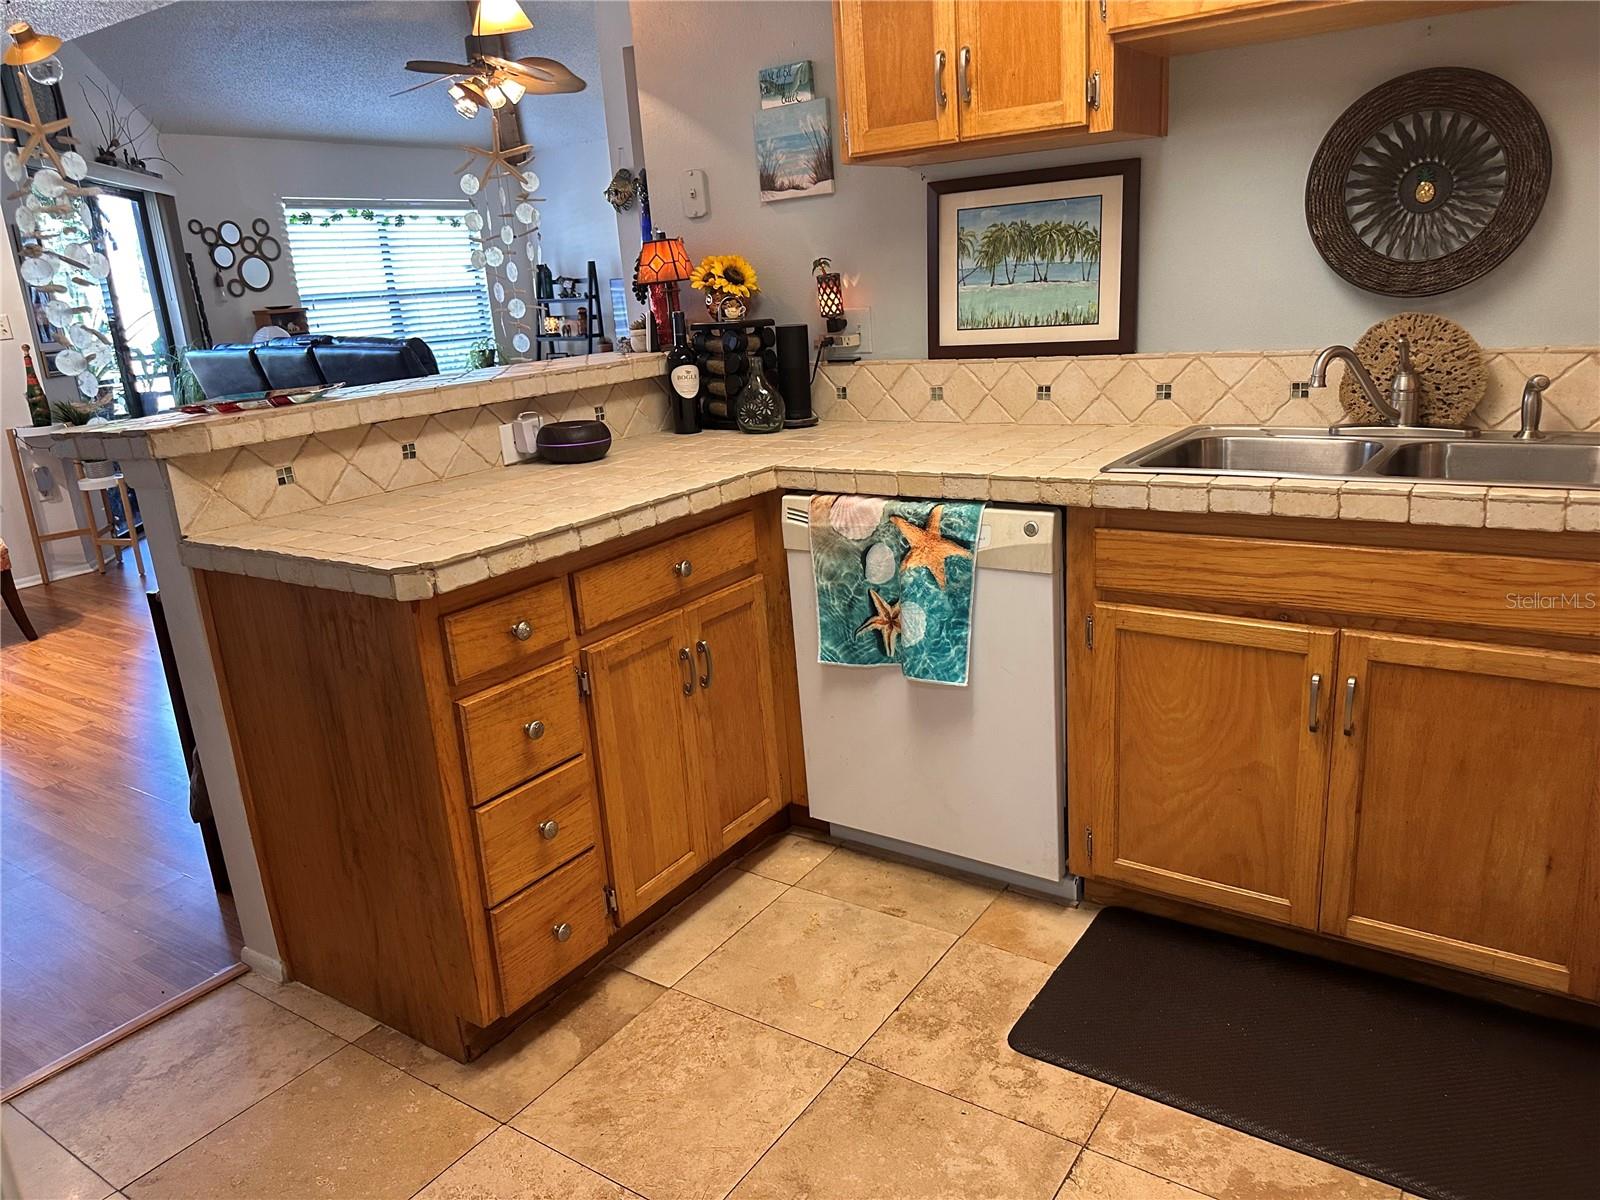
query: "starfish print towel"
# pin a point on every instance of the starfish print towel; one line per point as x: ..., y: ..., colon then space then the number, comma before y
x: 894, y: 583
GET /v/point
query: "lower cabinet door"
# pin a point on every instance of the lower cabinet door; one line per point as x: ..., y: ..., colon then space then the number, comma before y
x: 1464, y: 807
x: 735, y: 725
x: 1209, y: 738
x: 548, y: 929
x: 643, y: 692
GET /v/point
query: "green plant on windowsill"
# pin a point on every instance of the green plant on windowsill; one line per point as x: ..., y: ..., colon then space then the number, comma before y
x: 481, y: 353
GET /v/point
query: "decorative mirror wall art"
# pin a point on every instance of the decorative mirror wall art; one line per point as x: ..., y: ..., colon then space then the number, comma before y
x: 1428, y: 182
x: 248, y: 255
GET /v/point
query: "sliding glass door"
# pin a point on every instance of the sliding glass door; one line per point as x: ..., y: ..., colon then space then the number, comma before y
x: 140, y: 318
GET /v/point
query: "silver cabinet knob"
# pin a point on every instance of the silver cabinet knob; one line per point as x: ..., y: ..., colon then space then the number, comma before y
x: 549, y: 829
x: 522, y: 631
x: 561, y: 932
x: 534, y: 730
x: 683, y: 569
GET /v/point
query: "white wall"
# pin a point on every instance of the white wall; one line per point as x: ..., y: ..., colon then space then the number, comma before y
x: 575, y: 222
x: 239, y: 179
x: 1226, y: 262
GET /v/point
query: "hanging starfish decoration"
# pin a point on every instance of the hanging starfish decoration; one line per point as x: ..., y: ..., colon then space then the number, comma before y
x: 885, y: 621
x: 38, y: 131
x: 499, y: 160
x: 927, y: 547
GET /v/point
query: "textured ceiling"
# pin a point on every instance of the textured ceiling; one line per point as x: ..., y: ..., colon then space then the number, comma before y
x: 73, y: 18
x: 324, y: 69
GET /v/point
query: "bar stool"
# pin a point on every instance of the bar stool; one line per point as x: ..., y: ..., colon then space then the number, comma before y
x: 104, y: 484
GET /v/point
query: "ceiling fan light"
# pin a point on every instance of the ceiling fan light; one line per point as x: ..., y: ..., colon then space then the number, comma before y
x: 512, y: 90
x: 499, y: 16
x: 496, y: 98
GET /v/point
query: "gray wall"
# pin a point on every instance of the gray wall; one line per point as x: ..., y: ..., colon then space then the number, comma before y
x: 1226, y: 259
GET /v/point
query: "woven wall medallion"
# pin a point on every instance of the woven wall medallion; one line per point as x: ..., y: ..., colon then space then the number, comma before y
x: 1428, y: 182
x: 1450, y: 362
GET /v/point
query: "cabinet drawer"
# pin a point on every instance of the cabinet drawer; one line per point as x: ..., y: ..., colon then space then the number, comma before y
x: 639, y: 581
x: 518, y: 628
x: 528, y: 948
x: 533, y: 830
x: 520, y: 729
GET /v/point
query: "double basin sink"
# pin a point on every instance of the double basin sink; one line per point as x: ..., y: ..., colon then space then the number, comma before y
x: 1447, y: 456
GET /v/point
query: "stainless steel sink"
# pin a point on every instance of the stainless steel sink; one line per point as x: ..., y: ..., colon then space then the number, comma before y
x: 1557, y: 463
x: 1454, y: 455
x: 1251, y: 453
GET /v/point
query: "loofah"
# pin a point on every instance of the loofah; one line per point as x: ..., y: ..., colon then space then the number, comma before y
x: 1449, y: 362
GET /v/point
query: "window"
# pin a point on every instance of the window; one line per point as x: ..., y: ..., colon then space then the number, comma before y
x: 367, y: 269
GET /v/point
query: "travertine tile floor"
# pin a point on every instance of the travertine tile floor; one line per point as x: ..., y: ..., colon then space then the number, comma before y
x: 815, y: 1022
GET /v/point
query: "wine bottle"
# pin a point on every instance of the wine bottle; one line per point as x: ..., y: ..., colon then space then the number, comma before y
x: 683, y: 377
x: 732, y: 364
x: 38, y: 402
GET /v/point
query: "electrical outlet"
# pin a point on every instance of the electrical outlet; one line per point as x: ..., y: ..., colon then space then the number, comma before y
x: 856, y: 336
x: 5, y: 327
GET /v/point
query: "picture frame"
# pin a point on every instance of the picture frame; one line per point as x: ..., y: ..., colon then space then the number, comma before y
x: 1034, y: 263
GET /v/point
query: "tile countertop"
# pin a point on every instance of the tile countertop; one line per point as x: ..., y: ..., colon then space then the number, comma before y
x: 176, y: 434
x: 437, y: 537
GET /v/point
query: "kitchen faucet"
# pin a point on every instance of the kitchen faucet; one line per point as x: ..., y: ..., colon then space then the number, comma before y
x: 1402, y: 407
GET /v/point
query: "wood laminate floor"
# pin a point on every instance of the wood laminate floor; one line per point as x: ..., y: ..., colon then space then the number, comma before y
x: 106, y: 902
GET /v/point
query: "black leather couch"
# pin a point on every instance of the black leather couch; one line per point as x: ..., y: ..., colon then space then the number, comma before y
x: 309, y: 360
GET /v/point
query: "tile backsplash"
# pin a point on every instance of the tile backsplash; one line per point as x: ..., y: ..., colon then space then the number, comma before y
x: 234, y: 486
x: 1236, y: 388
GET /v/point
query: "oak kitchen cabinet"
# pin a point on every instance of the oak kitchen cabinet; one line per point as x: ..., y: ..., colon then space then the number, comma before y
x: 1186, y: 26
x: 459, y: 802
x: 1362, y: 740
x: 921, y: 80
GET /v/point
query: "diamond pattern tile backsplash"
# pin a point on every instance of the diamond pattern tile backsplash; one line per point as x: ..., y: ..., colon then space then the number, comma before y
x: 1236, y: 388
x: 236, y: 486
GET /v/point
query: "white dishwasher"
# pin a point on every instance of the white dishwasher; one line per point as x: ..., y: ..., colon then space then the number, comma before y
x: 972, y: 777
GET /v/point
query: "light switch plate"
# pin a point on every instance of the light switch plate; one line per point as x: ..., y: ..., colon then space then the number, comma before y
x: 5, y: 327
x: 692, y: 183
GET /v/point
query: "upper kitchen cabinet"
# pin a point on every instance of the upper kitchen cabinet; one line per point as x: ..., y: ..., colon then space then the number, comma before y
x: 924, y: 80
x: 1186, y: 26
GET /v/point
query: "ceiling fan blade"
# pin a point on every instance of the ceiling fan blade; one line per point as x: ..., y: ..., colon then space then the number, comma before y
x: 432, y: 66
x: 556, y: 72
x: 426, y: 83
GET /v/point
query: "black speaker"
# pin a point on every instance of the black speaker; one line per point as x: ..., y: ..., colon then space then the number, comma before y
x: 794, y: 375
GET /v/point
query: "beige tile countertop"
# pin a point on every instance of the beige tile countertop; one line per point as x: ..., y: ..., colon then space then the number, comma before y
x: 177, y: 434
x: 437, y: 537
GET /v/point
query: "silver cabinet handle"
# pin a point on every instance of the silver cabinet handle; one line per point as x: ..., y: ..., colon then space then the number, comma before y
x: 1313, y: 704
x: 1350, y: 706
x: 534, y: 730
x: 522, y: 631
x: 549, y: 829
x: 938, y: 78
x: 683, y: 569
x: 688, y: 670
x: 964, y: 74
x: 561, y: 932
x: 705, y: 652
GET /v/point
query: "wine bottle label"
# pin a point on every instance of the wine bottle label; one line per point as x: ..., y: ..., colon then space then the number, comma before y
x: 686, y: 380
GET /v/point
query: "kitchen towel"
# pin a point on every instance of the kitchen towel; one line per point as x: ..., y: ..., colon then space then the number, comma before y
x: 895, y: 584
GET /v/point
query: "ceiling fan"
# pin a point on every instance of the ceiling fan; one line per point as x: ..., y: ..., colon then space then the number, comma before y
x: 489, y: 81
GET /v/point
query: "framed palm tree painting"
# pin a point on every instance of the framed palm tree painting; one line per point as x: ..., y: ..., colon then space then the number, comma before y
x: 1034, y: 262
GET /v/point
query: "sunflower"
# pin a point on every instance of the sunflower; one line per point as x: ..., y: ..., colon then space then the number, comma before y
x: 731, y: 273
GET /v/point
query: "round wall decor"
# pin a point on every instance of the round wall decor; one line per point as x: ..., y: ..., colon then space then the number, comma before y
x: 1428, y: 182
x: 1445, y: 356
